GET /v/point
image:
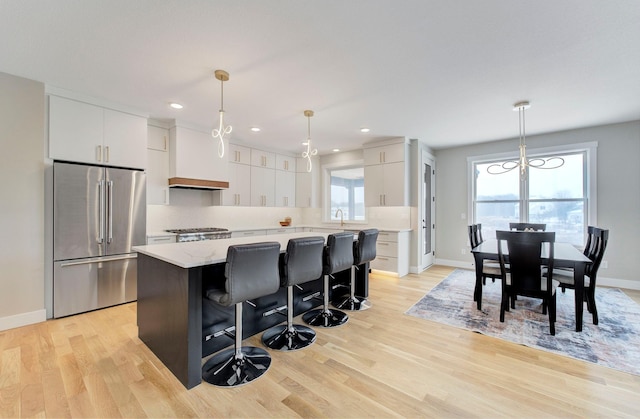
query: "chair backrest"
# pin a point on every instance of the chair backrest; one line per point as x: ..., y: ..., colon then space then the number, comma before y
x: 251, y: 271
x: 364, y: 250
x: 302, y: 262
x: 594, y: 250
x: 475, y: 235
x: 525, y: 259
x: 338, y: 253
x: 527, y: 227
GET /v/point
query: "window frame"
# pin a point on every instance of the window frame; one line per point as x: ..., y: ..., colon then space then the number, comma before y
x: 590, y: 185
x: 327, y: 216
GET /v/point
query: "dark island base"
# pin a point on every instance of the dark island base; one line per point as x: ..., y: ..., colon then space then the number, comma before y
x: 177, y: 323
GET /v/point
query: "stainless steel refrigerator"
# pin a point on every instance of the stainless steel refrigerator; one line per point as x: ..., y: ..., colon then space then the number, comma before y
x: 99, y: 214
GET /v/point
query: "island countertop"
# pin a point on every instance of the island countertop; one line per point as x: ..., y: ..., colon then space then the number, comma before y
x: 208, y: 252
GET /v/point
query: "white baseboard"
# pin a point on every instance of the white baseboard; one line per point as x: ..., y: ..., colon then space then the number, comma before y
x: 23, y: 319
x: 455, y: 263
x: 618, y: 283
x: 605, y: 282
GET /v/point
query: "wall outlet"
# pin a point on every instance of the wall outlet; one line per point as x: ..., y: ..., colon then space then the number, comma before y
x: 463, y: 251
x: 604, y: 264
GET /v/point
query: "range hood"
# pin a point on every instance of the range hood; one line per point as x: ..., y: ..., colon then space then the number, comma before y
x: 188, y: 183
x: 194, y: 161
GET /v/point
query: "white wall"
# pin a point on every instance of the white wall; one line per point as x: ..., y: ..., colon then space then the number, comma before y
x: 22, y: 201
x: 618, y: 203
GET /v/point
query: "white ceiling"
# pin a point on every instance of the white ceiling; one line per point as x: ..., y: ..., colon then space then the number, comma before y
x: 445, y: 72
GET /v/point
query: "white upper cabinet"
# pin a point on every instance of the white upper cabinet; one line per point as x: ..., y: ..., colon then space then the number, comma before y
x: 194, y: 155
x: 285, y: 189
x: 239, y: 192
x: 239, y: 154
x: 157, y: 165
x: 260, y: 158
x: 285, y: 163
x: 386, y: 180
x: 81, y: 132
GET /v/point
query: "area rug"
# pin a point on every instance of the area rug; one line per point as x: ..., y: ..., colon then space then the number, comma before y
x: 614, y: 342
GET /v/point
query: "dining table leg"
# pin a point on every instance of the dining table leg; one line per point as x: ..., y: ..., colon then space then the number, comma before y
x: 578, y: 280
x: 477, y: 292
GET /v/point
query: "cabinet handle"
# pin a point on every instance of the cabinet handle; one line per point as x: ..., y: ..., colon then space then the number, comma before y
x: 106, y: 154
x: 384, y: 199
x: 165, y: 142
x: 383, y: 244
x: 99, y: 153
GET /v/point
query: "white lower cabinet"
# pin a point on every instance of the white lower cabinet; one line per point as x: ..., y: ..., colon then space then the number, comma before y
x: 161, y: 239
x: 392, y: 253
x: 248, y: 233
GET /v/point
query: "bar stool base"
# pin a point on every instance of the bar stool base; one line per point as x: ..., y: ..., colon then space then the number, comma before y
x: 353, y: 304
x: 284, y: 338
x: 226, y: 369
x: 325, y: 318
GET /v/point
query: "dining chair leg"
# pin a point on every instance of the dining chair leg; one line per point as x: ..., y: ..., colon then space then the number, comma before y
x: 552, y: 315
x: 591, y: 301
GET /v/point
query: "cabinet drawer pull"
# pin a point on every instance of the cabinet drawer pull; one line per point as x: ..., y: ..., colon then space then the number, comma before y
x: 99, y: 153
x: 106, y: 154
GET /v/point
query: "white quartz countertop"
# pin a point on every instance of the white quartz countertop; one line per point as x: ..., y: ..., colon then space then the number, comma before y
x: 208, y: 252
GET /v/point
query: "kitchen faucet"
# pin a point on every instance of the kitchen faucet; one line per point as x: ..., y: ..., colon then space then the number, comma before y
x: 341, y: 216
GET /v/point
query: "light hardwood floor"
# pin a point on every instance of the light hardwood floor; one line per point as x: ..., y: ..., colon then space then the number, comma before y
x: 382, y: 363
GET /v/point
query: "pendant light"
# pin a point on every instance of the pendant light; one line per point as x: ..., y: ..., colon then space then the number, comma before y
x: 221, y: 131
x: 523, y: 162
x: 309, y: 152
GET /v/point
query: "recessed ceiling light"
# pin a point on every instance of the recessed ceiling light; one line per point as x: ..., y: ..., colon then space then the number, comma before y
x: 175, y: 105
x: 336, y: 150
x: 255, y: 129
x: 364, y: 130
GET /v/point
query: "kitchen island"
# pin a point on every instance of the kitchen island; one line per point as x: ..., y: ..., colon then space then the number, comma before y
x: 181, y: 327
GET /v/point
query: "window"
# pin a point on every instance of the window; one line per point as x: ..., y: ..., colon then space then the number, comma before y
x: 346, y: 193
x: 558, y: 197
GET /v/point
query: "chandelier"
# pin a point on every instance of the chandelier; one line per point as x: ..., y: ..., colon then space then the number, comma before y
x: 309, y: 152
x: 523, y: 162
x: 221, y: 131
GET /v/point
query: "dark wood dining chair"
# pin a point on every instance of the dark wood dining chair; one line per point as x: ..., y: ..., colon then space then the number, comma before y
x: 525, y: 273
x: 490, y: 269
x: 527, y: 227
x: 597, y: 239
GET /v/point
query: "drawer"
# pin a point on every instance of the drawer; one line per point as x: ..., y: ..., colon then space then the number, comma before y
x: 281, y: 231
x: 249, y: 233
x: 386, y: 236
x: 384, y: 248
x: 383, y: 263
x: 161, y: 239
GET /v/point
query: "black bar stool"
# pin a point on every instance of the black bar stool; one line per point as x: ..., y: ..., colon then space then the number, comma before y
x: 301, y: 263
x: 338, y: 256
x: 251, y: 272
x: 364, y: 250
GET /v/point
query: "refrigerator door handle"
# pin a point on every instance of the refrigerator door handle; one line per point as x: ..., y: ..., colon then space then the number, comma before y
x: 96, y: 260
x: 101, y: 210
x: 110, y: 211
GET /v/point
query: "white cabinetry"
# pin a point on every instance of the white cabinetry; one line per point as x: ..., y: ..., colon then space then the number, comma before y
x: 161, y: 239
x: 306, y: 184
x: 385, y: 175
x: 194, y: 155
x: 157, y: 165
x: 285, y: 181
x: 82, y: 132
x: 392, y: 252
x: 239, y: 192
x: 263, y: 178
x: 248, y: 233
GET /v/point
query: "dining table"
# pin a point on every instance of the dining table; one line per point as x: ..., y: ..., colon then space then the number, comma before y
x: 565, y: 256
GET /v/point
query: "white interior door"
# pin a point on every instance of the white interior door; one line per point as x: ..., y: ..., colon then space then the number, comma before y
x: 428, y: 210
